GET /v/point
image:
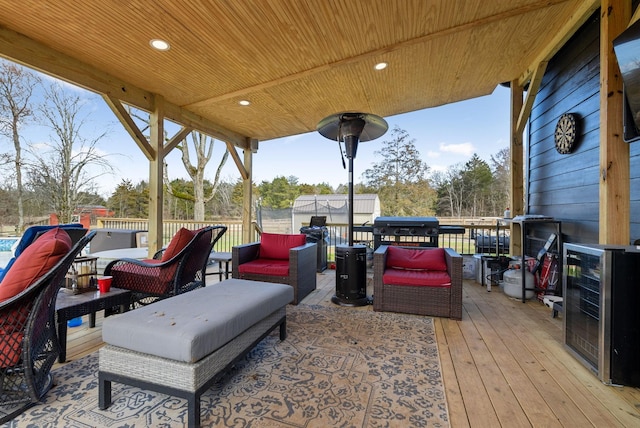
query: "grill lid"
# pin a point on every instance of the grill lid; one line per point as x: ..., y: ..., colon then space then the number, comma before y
x: 406, y: 221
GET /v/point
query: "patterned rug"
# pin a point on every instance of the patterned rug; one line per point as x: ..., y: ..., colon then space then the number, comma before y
x: 339, y: 366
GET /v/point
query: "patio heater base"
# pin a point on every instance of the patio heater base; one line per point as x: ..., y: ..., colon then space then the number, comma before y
x: 358, y: 302
x: 351, y: 276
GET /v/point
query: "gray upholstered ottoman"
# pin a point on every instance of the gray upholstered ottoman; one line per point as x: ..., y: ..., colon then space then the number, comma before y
x: 181, y: 345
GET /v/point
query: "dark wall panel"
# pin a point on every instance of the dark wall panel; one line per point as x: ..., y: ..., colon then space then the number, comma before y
x: 566, y: 187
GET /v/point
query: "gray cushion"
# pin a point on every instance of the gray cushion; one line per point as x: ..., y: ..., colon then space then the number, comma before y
x: 192, y: 325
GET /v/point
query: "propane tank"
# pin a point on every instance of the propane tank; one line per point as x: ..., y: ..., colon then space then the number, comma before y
x: 513, y: 283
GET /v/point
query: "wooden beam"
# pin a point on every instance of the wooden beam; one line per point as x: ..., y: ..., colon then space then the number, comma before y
x: 516, y: 204
x: 534, y: 85
x: 467, y: 26
x: 125, y: 118
x: 191, y: 119
x: 636, y: 16
x: 584, y: 10
x: 236, y: 159
x: 30, y: 53
x: 614, y: 152
x: 176, y: 139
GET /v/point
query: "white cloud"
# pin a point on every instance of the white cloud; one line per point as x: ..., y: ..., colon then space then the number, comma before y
x: 437, y: 168
x: 431, y: 154
x: 466, y: 149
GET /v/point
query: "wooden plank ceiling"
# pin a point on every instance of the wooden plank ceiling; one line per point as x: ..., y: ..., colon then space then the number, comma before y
x: 296, y: 61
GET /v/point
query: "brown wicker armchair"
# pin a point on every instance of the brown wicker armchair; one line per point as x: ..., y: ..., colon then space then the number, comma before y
x: 414, y: 286
x: 281, y: 258
x: 28, y: 342
x: 174, y: 270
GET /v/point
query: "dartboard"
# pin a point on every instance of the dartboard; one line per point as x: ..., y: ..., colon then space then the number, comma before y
x: 565, y: 135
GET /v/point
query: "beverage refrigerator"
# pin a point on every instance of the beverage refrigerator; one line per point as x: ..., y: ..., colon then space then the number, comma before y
x: 601, y: 289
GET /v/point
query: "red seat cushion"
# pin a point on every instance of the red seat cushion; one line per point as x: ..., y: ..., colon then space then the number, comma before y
x: 430, y: 278
x: 10, y: 348
x: 277, y: 246
x: 144, y: 279
x: 410, y: 258
x: 261, y: 266
x: 178, y: 242
x: 36, y: 260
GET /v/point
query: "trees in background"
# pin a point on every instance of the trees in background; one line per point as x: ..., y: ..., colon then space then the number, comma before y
x: 202, y: 192
x: 474, y: 188
x: 64, y: 170
x: 501, y: 186
x: 16, y: 89
x: 129, y: 200
x: 279, y: 193
x: 400, y: 178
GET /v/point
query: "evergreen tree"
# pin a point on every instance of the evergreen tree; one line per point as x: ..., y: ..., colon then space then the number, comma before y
x: 130, y: 201
x: 399, y: 178
x: 279, y: 193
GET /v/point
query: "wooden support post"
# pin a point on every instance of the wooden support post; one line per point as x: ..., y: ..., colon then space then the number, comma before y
x: 156, y: 197
x: 517, y: 164
x: 614, y: 152
x: 247, y: 192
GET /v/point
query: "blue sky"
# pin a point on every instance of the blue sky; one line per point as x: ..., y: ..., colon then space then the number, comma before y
x: 443, y: 135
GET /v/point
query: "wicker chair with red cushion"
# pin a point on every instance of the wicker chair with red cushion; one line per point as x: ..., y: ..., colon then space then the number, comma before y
x: 419, y: 280
x: 175, y: 270
x: 281, y: 258
x: 28, y: 341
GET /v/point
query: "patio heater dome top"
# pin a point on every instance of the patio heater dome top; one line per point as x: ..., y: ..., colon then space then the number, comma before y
x: 363, y: 126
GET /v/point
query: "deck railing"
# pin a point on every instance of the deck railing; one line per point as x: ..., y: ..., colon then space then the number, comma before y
x: 465, y: 239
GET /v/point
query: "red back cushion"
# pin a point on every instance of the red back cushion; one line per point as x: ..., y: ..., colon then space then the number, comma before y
x: 409, y: 258
x: 277, y: 246
x: 178, y: 242
x: 36, y: 260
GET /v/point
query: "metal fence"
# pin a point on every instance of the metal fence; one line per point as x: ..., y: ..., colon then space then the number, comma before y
x: 232, y: 237
x: 477, y: 239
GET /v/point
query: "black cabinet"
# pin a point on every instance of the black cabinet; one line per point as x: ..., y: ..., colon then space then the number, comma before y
x: 601, y: 316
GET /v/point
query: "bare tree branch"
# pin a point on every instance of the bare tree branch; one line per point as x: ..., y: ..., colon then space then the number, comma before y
x: 64, y: 170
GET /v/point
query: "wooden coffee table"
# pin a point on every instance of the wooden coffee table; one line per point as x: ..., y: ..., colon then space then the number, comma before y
x: 70, y: 306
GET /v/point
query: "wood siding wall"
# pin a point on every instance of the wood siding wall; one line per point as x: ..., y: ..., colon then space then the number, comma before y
x: 566, y: 186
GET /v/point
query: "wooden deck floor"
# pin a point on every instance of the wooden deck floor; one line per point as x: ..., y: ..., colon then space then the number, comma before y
x: 504, y: 365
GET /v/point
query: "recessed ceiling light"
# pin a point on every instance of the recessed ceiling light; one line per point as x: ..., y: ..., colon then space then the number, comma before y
x: 159, y: 44
x: 380, y: 66
x: 244, y: 102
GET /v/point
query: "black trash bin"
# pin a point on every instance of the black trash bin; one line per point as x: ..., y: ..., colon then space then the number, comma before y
x: 351, y: 275
x: 320, y: 236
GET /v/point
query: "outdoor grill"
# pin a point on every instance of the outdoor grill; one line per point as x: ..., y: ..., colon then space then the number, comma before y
x: 406, y: 231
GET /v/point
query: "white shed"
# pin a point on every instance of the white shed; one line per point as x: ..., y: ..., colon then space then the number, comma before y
x: 366, y: 207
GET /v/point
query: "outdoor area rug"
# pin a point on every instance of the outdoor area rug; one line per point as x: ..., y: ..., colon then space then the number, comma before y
x: 339, y: 366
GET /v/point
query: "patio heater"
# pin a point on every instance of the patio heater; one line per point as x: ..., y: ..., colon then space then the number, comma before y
x: 351, y: 260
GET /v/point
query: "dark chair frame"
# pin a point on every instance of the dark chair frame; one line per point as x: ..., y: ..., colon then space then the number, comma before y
x: 419, y: 300
x: 190, y: 269
x: 302, y: 267
x: 31, y: 313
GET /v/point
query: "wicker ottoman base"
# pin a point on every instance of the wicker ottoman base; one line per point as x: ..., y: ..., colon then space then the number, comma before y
x: 176, y: 378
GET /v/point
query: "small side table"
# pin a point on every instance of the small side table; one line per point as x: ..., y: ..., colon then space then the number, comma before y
x: 220, y: 257
x: 69, y: 306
